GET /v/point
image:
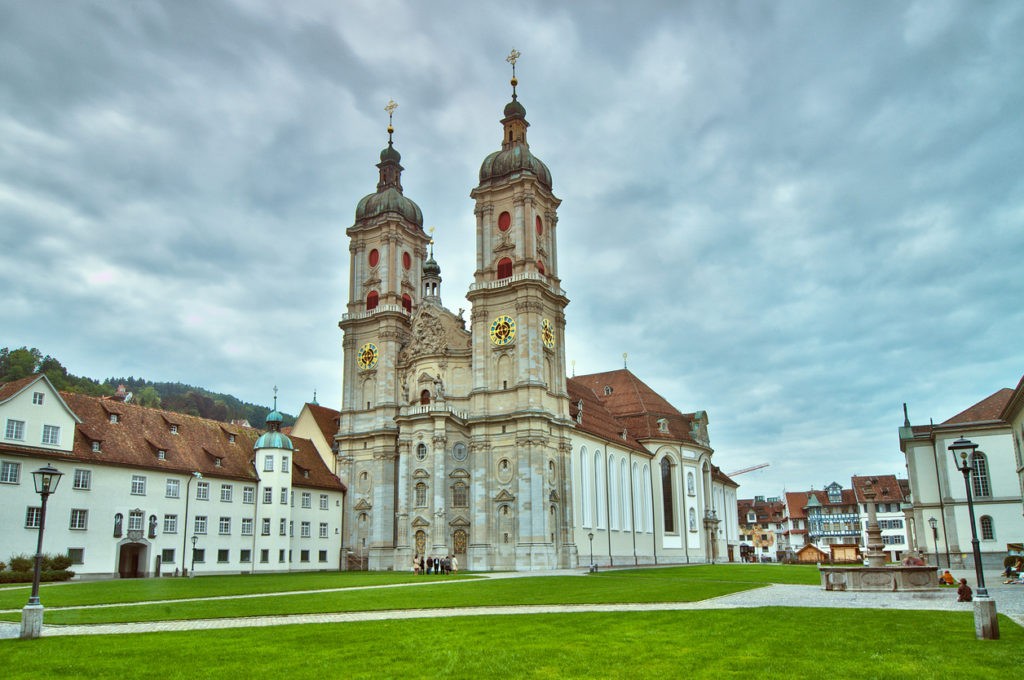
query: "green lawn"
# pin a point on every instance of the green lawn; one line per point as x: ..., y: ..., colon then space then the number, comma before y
x: 750, y: 643
x: 677, y: 584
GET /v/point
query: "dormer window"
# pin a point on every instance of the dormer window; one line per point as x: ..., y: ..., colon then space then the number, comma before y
x: 305, y: 473
x: 114, y: 418
x: 231, y: 439
x: 174, y: 429
x: 607, y: 390
x: 96, y: 447
x: 663, y: 425
x: 161, y: 455
x: 37, y: 398
x: 625, y: 435
x: 217, y: 462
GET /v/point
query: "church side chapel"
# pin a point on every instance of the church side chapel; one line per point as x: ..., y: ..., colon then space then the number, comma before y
x: 465, y: 437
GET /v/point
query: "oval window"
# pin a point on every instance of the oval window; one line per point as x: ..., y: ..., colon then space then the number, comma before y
x: 540, y: 226
x: 406, y: 260
x: 504, y: 221
x: 374, y: 257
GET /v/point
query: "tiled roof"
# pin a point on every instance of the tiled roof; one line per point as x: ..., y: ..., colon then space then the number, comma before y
x: 200, y: 445
x: 718, y: 475
x: 989, y: 408
x: 8, y: 390
x: 633, y: 403
x: 596, y: 419
x: 797, y: 500
x: 327, y: 419
x: 887, y: 488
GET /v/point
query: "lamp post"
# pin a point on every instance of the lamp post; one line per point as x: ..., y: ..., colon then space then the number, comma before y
x: 193, y: 568
x: 184, y: 527
x: 593, y: 567
x: 986, y: 625
x: 46, y: 480
x: 934, y: 523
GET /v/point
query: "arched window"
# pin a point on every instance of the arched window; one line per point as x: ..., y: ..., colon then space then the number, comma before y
x: 504, y: 268
x: 407, y: 302
x: 372, y: 299
x: 667, y: 502
x: 585, y: 486
x: 637, y: 515
x: 540, y: 226
x: 540, y: 267
x: 613, y: 492
x: 421, y: 495
x: 648, y: 500
x: 627, y: 522
x: 460, y: 495
x: 988, y: 529
x: 691, y: 489
x: 600, y: 491
x: 425, y: 397
x: 980, y: 476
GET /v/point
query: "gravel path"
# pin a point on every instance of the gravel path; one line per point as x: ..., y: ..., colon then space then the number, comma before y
x: 1009, y: 601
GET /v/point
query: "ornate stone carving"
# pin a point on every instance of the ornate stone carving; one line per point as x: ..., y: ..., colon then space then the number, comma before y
x: 526, y: 306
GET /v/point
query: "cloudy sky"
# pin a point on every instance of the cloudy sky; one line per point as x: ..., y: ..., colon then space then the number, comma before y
x: 793, y: 215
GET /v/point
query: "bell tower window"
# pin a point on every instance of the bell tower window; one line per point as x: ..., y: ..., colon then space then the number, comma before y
x: 372, y: 299
x: 504, y: 221
x: 407, y: 302
x: 504, y: 268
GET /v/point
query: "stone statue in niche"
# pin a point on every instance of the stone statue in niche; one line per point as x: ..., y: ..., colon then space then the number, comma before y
x: 438, y: 388
x: 118, y: 519
x: 152, y: 526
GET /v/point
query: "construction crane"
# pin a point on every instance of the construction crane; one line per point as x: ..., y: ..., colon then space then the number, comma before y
x: 747, y: 469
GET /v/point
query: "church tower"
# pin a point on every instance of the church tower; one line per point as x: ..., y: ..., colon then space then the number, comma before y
x: 386, y: 248
x: 518, y: 399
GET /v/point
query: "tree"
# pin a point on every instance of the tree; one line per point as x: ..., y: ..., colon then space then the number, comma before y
x: 19, y: 363
x: 148, y: 396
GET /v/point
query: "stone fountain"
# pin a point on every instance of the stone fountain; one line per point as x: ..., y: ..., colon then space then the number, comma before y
x: 877, y: 576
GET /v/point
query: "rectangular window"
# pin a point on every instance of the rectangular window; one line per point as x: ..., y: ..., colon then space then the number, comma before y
x: 284, y: 463
x: 170, y: 524
x: 10, y: 472
x: 245, y: 557
x: 225, y: 526
x: 15, y: 430
x: 284, y: 496
x: 78, y: 519
x: 114, y: 418
x: 198, y: 554
x: 323, y: 555
x: 283, y: 531
x: 264, y: 556
x: 32, y: 517
x: 280, y: 555
x: 303, y: 556
x: 203, y: 491
x: 307, y: 499
x: 268, y: 463
x: 323, y: 529
x: 268, y: 495
x: 226, y: 491
x: 323, y: 501
x: 37, y: 398
x: 83, y: 479
x: 200, y: 527
x: 51, y: 435
x: 247, y: 526
x: 135, y: 520
x: 167, y: 556
x: 222, y: 556
x: 265, y: 527
x: 248, y: 494
x: 77, y: 555
x: 95, y: 447
x: 174, y: 429
x: 304, y: 529
x: 138, y: 485
x: 173, y: 488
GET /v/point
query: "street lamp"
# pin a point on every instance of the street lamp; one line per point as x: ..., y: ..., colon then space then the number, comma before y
x: 190, y: 571
x: 934, y: 523
x: 46, y: 480
x: 593, y: 567
x: 184, y: 528
x: 986, y: 625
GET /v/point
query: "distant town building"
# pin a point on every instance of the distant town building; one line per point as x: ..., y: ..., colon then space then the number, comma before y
x: 996, y: 425
x: 763, y: 524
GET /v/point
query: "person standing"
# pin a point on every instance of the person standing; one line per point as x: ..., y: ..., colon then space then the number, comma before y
x: 430, y: 565
x: 455, y: 565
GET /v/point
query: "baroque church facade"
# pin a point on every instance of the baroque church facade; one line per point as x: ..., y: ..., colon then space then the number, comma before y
x: 469, y: 439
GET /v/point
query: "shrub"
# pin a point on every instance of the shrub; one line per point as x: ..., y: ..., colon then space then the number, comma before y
x: 44, y: 576
x: 56, y: 562
x: 22, y: 563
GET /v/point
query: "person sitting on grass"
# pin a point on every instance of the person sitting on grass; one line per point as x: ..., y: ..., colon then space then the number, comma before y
x: 946, y: 579
x: 964, y: 592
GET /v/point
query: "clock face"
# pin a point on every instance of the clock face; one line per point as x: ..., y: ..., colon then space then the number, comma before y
x: 367, y: 357
x: 547, y: 333
x: 503, y: 330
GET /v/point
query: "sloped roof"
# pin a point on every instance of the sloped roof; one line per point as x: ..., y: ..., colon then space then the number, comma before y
x: 989, y: 408
x: 8, y: 390
x: 327, y: 420
x: 887, y: 488
x: 718, y: 475
x: 598, y: 420
x: 796, y: 501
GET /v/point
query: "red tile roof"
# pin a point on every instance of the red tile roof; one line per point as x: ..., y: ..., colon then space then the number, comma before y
x: 887, y: 488
x: 989, y: 408
x: 9, y: 389
x: 596, y: 419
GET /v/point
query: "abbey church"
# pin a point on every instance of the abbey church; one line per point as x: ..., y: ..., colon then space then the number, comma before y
x: 465, y: 437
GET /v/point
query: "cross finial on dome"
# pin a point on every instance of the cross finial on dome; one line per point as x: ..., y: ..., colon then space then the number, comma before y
x: 390, y: 108
x: 512, y: 58
x: 275, y: 397
x: 625, y: 359
x: 431, y: 230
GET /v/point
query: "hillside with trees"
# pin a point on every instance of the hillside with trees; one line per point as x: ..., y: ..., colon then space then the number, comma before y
x: 171, y: 396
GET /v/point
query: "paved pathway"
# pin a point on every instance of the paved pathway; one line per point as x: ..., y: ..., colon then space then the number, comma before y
x: 1010, y: 601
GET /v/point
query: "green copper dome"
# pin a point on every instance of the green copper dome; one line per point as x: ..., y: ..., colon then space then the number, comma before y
x: 431, y: 266
x: 390, y: 200
x: 273, y: 440
x: 515, y: 159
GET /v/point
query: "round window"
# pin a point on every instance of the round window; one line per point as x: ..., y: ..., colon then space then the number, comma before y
x: 421, y: 451
x: 504, y: 221
x: 374, y: 257
x: 459, y: 451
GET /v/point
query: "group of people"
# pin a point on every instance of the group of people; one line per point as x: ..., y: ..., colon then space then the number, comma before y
x: 1014, y: 573
x: 436, y: 565
x: 964, y: 593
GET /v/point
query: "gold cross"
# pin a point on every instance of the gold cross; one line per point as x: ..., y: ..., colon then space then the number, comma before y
x: 512, y: 57
x: 390, y: 108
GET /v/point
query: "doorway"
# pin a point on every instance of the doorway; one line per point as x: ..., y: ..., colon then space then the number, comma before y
x: 131, y: 560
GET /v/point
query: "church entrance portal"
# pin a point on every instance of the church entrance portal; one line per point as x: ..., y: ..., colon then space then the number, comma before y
x: 131, y: 560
